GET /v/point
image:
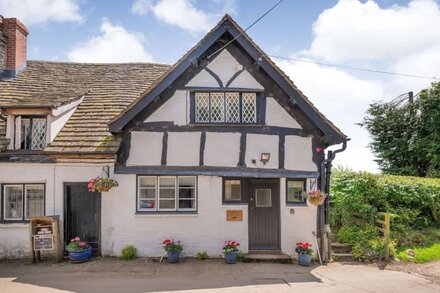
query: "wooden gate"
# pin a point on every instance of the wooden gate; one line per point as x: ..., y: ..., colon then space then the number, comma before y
x: 82, y: 215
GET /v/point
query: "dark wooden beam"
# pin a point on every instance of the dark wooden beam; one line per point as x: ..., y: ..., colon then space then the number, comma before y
x: 164, y: 148
x: 214, y: 171
x: 281, y: 151
x: 202, y: 148
x: 242, y: 155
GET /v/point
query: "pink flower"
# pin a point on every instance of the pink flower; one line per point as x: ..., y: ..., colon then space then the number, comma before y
x: 82, y: 244
x: 72, y: 240
x: 77, y: 238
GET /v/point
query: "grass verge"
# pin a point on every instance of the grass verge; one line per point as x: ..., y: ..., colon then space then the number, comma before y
x: 423, y: 254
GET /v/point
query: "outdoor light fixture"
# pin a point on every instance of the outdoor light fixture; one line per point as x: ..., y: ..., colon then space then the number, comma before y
x: 264, y: 158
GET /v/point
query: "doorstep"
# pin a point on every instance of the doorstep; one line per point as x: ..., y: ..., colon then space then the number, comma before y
x: 267, y: 256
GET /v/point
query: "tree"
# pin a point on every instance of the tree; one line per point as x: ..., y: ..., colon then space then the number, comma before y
x: 406, y: 133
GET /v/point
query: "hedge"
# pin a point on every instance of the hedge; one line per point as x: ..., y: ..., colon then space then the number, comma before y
x: 357, y: 197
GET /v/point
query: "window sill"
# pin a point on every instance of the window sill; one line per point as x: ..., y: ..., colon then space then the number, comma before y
x: 222, y: 124
x: 166, y: 214
x: 14, y: 224
x: 234, y: 203
x: 290, y: 205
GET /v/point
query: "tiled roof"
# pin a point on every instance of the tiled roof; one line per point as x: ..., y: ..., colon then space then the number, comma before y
x: 107, y: 89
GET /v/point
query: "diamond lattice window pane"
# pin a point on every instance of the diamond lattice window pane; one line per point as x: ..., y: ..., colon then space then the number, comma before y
x: 232, y: 107
x: 249, y: 101
x: 202, y: 107
x: 217, y: 107
x: 38, y: 134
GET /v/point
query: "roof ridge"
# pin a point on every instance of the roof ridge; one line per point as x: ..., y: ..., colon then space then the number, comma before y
x: 98, y: 63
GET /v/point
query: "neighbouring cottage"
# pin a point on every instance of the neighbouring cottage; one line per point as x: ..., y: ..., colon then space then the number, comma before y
x: 218, y: 146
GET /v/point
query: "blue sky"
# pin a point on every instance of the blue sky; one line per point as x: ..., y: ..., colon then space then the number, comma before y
x: 398, y: 36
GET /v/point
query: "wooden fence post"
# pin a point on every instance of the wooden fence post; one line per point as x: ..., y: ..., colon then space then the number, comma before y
x: 386, y: 227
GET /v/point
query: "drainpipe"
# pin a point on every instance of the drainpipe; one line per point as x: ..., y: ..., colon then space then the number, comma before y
x: 324, y: 209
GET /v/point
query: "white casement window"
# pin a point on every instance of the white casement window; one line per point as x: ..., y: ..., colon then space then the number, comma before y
x: 22, y: 201
x: 30, y: 132
x: 166, y: 193
x: 229, y: 107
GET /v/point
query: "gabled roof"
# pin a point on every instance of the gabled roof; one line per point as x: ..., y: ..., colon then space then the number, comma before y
x: 227, y: 24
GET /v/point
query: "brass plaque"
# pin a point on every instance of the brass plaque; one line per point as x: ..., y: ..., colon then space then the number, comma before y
x: 234, y: 215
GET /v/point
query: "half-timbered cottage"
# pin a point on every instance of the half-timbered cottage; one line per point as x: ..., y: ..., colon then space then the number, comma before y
x: 219, y: 146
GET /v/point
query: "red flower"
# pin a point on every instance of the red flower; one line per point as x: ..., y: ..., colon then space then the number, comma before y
x: 319, y: 149
x: 77, y: 238
x: 166, y: 241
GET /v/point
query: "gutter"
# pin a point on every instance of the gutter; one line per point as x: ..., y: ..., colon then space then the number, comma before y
x: 324, y: 232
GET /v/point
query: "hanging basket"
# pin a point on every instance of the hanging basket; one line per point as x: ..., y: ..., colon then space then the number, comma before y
x: 101, y: 184
x: 315, y: 197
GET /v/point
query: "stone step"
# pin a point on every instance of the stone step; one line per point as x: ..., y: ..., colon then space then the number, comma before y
x: 341, y: 247
x: 267, y: 256
x: 343, y: 257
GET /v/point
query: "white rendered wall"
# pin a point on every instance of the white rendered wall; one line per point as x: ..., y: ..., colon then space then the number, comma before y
x: 145, y: 148
x: 176, y: 109
x: 183, y: 148
x: 299, y: 153
x: 277, y: 116
x: 261, y: 143
x: 222, y: 149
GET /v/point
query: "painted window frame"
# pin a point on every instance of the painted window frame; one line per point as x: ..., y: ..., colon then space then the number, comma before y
x: 157, y: 208
x: 23, y: 186
x: 290, y: 203
x: 260, y: 106
x: 31, y: 118
x: 232, y: 202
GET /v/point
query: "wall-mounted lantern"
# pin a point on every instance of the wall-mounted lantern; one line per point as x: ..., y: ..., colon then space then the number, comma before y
x: 265, y: 157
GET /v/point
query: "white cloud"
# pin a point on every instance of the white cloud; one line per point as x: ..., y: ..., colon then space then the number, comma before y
x: 402, y: 39
x: 343, y: 98
x: 41, y: 11
x: 114, y: 44
x: 183, y: 13
x: 352, y: 30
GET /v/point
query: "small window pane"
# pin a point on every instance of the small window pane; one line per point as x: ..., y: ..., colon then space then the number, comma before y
x: 147, y: 182
x: 34, y: 201
x: 249, y: 104
x: 147, y: 193
x: 13, y: 202
x: 147, y: 204
x: 187, y: 204
x: 167, y: 204
x: 202, y: 107
x: 295, y: 189
x: 167, y: 193
x: 232, y: 190
x: 187, y: 182
x: 38, y: 133
x: 167, y: 182
x: 232, y: 107
x: 25, y: 134
x: 263, y: 198
x: 217, y: 107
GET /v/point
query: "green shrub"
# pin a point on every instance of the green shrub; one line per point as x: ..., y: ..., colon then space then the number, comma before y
x: 357, y: 197
x: 128, y: 252
x: 202, y: 255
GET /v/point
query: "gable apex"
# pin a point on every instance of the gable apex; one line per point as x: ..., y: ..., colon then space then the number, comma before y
x: 197, y: 57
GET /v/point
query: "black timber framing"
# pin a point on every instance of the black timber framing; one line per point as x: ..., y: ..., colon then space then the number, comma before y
x: 214, y: 171
x: 242, y: 154
x: 281, y: 151
x: 202, y: 148
x: 248, y: 128
x: 197, y: 58
x: 164, y: 148
x: 215, y: 76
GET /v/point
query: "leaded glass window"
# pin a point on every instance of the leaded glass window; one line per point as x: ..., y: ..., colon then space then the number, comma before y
x: 249, y: 102
x: 229, y: 107
x: 31, y: 133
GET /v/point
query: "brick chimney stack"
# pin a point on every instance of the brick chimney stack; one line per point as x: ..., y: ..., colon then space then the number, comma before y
x: 16, y: 41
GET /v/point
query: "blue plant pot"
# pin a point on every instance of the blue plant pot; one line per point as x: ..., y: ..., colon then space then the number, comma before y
x: 173, y: 256
x: 304, y: 259
x: 231, y: 257
x: 81, y: 256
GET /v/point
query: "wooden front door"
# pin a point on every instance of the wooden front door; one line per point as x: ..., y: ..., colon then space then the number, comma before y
x: 82, y: 214
x: 264, y: 215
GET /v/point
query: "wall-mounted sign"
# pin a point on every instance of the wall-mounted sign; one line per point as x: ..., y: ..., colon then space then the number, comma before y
x: 234, y: 215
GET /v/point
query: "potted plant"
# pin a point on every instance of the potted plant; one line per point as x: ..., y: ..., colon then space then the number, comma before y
x: 173, y: 249
x: 101, y: 184
x: 305, y: 253
x: 79, y: 251
x: 230, y: 249
x: 316, y: 197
